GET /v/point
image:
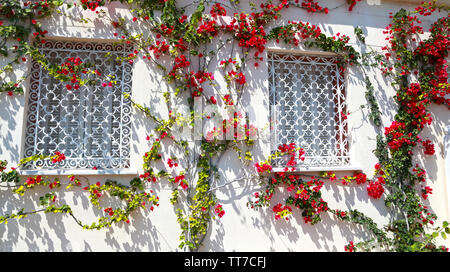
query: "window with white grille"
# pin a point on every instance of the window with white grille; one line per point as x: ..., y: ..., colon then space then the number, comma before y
x: 307, y: 104
x: 91, y: 125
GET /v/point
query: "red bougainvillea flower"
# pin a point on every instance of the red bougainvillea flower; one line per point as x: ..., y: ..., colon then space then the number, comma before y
x: 263, y: 167
x: 375, y: 189
x: 217, y: 10
x: 92, y: 4
x: 311, y: 6
x: 54, y: 184
x: 171, y: 162
x: 241, y: 78
x: 378, y: 169
x: 350, y: 247
x: 219, y: 210
x: 360, y: 178
x: 426, y: 191
x: 228, y: 100
x: 58, y: 157
x: 182, y: 181
x: 31, y: 181
x: 281, y: 211
x: 429, y: 147
x: 420, y: 173
x: 109, y: 211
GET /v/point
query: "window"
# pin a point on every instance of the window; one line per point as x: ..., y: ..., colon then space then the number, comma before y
x: 307, y: 106
x: 91, y: 125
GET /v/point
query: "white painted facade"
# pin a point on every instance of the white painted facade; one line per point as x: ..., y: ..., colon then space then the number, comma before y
x: 241, y: 229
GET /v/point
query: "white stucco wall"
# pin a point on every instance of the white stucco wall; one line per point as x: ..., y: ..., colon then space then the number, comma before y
x: 241, y: 229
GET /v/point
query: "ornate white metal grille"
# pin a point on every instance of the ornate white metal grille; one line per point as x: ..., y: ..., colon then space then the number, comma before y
x: 91, y: 125
x: 307, y: 99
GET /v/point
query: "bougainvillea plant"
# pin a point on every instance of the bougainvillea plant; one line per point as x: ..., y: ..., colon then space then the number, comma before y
x: 179, y: 45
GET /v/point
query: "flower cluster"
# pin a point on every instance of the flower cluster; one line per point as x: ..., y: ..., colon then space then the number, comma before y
x: 54, y: 184
x: 312, y: 6
x: 415, y: 101
x: 305, y: 195
x: 350, y: 247
x: 228, y: 100
x: 340, y: 214
x: 217, y: 10
x: 224, y: 63
x: 262, y: 167
x: 262, y: 198
x: 435, y: 51
x: 424, y: 215
x: 94, y: 190
x: 58, y: 157
x: 396, y: 137
x: 219, y: 210
x: 426, y: 191
x: 420, y: 173
x: 208, y: 29
x: 148, y: 176
x: 92, y: 4
x: 36, y: 8
x: 282, y: 211
x: 375, y: 188
x: 359, y: 178
x: 193, y: 81
x: 158, y: 49
x: 181, y: 180
x: 249, y: 29
x: 341, y: 38
x: 426, y: 8
x: 70, y: 70
x: 31, y: 181
x: 109, y: 211
x: 429, y: 147
x: 308, y: 198
x: 171, y: 162
x: 295, y: 31
x: 290, y: 151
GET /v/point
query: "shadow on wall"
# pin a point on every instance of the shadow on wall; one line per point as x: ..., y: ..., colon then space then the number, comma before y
x: 434, y: 172
x: 59, y: 232
x: 11, y: 106
x: 63, y: 27
x: 434, y: 132
x: 243, y: 228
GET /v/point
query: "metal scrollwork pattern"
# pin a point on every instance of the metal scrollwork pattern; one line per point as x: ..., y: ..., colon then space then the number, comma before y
x: 307, y: 99
x: 91, y: 125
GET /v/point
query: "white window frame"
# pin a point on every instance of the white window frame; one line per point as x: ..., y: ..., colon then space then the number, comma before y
x: 83, y: 164
x: 345, y: 164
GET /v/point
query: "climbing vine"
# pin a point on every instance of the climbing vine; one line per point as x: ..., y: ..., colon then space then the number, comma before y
x: 181, y: 46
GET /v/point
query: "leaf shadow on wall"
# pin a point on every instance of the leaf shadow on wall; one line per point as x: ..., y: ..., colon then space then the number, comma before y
x: 10, y: 111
